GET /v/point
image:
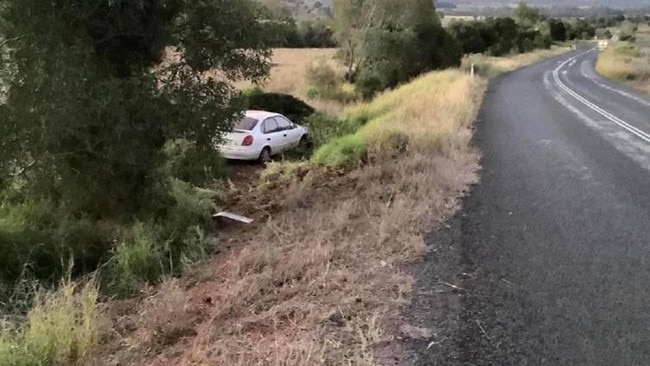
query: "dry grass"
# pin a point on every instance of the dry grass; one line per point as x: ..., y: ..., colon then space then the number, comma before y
x: 491, y: 66
x: 319, y: 278
x: 61, y: 329
x: 628, y: 62
x: 288, y: 74
x: 433, y: 112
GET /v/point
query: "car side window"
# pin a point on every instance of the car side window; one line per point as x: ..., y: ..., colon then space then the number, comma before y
x: 270, y: 126
x: 283, y: 123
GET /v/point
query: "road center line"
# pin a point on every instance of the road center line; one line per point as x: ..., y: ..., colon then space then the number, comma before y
x: 607, y: 87
x: 635, y: 131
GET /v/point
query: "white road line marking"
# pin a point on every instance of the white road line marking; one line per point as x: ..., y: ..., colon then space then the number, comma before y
x: 637, y: 132
x: 621, y: 92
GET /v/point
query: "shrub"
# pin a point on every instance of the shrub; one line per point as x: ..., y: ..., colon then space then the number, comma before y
x: 148, y: 252
x: 37, y: 239
x: 281, y: 173
x: 324, y: 78
x: 323, y: 127
x: 61, y: 329
x: 288, y: 105
x: 187, y: 162
x: 325, y: 83
x: 342, y: 152
x: 138, y: 259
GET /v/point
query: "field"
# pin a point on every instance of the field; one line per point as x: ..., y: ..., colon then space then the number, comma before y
x: 288, y: 74
x: 628, y: 62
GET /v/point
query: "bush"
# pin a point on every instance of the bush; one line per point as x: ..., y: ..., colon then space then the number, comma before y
x: 342, y: 152
x: 187, y: 162
x: 281, y: 173
x: 138, y: 259
x: 323, y: 127
x: 61, y: 329
x: 148, y: 252
x: 293, y: 108
x: 325, y: 83
x: 37, y: 240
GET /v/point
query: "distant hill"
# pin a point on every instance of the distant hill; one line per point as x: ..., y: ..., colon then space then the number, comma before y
x: 320, y: 8
x: 544, y: 3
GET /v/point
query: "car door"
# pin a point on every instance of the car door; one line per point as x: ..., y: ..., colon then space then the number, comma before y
x: 291, y: 133
x: 274, y: 137
x: 285, y: 126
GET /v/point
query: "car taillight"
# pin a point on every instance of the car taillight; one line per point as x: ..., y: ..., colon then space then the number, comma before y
x: 248, y: 141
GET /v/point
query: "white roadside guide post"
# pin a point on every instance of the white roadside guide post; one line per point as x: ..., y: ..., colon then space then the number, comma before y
x: 472, y: 69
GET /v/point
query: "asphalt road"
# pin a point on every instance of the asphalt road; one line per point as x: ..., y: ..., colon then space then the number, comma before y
x: 548, y: 262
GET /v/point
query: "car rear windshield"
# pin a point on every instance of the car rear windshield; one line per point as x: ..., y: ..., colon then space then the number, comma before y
x: 246, y: 123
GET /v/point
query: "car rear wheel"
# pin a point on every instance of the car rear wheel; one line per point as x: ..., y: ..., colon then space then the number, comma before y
x: 265, y: 155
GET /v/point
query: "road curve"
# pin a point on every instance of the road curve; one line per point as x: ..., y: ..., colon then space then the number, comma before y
x: 548, y: 262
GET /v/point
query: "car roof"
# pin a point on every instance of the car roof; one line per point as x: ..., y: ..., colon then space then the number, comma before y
x: 260, y: 115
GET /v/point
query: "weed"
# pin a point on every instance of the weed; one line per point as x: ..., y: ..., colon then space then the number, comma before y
x: 341, y: 152
x: 282, y: 173
x: 61, y: 329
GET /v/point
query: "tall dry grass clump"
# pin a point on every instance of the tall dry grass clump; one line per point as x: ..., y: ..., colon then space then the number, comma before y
x: 432, y: 111
x: 626, y: 63
x: 61, y: 328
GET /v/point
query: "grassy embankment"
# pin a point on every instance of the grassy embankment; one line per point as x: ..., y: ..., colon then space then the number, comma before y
x: 628, y: 62
x: 319, y: 278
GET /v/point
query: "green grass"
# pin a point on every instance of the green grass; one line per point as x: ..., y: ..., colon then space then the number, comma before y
x: 279, y: 173
x: 61, y: 329
x: 342, y: 151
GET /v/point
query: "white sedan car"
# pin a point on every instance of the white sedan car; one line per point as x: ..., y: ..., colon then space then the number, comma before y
x: 259, y: 135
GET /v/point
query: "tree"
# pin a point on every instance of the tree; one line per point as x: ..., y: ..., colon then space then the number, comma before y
x: 506, y: 35
x: 470, y: 35
x: 93, y: 90
x: 386, y: 42
x: 526, y: 16
x: 558, y: 31
x: 351, y: 17
x: 91, y: 101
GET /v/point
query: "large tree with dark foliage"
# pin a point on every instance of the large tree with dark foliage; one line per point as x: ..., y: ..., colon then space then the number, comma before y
x: 386, y: 42
x: 91, y: 94
x: 92, y: 90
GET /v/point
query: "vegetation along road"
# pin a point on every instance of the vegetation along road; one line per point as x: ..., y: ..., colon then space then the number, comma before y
x: 547, y: 262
